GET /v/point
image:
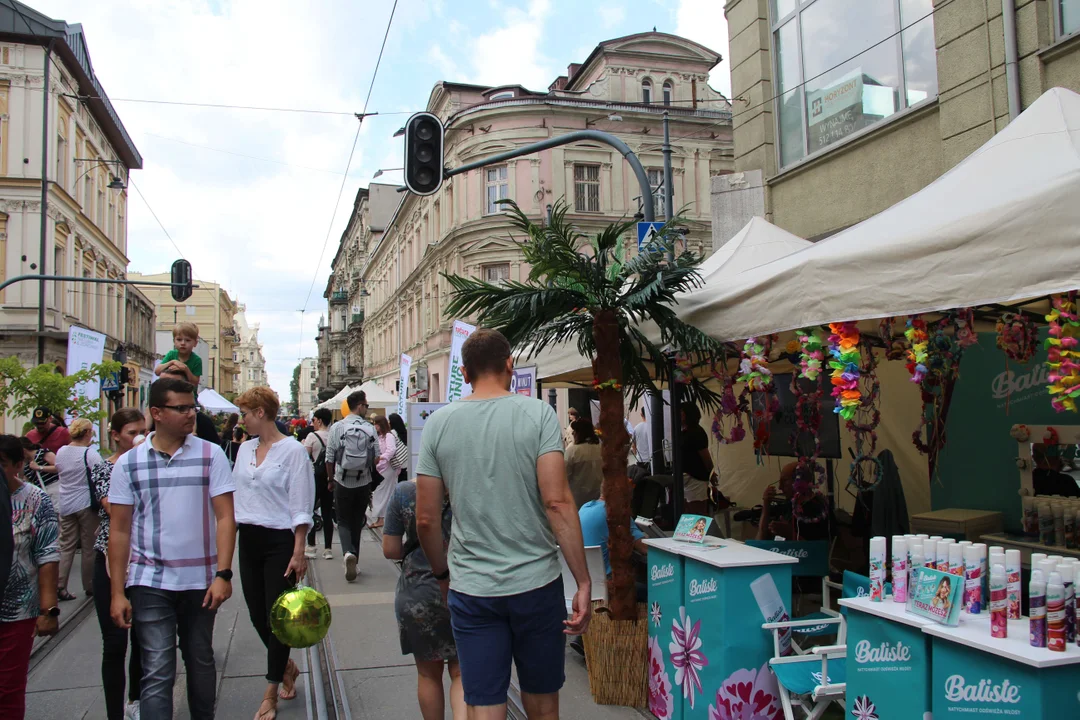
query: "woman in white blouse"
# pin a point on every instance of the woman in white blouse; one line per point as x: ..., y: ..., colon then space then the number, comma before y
x: 275, y: 493
x: 78, y: 521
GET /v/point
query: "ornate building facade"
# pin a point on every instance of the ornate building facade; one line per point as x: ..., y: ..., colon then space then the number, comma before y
x: 307, y: 395
x: 624, y: 87
x: 248, y: 354
x: 139, y: 346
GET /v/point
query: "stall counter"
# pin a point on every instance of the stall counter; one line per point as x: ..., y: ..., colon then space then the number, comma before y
x: 706, y: 607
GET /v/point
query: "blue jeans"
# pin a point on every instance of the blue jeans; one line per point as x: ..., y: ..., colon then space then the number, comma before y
x: 158, y: 617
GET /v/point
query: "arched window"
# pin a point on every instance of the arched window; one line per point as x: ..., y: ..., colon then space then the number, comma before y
x: 646, y: 91
x: 667, y: 92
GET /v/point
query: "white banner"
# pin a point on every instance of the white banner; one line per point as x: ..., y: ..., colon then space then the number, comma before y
x: 524, y: 381
x: 456, y: 387
x: 403, y: 385
x: 85, y: 348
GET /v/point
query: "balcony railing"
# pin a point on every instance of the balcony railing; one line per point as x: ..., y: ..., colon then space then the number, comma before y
x: 339, y: 296
x: 357, y: 318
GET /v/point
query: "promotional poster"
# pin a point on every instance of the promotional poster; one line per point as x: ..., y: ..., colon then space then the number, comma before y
x: 692, y: 528
x: 935, y: 595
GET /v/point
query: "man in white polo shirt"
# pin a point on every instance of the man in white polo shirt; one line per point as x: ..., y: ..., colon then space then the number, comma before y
x: 172, y: 514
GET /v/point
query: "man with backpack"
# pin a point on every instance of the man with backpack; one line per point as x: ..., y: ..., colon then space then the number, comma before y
x: 324, y: 491
x: 351, y: 454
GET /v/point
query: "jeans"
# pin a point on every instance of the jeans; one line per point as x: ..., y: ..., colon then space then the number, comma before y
x: 351, y: 505
x: 264, y: 557
x: 324, y: 500
x: 16, y: 639
x: 114, y: 648
x: 158, y: 617
x: 78, y: 526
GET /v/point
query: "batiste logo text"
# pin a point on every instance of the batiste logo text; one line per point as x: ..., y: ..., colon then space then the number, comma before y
x: 659, y: 572
x: 957, y: 690
x: 791, y: 552
x: 700, y: 588
x: 1009, y: 383
x: 884, y: 652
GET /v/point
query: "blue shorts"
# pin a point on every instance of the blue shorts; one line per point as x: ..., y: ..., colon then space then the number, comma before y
x: 489, y: 631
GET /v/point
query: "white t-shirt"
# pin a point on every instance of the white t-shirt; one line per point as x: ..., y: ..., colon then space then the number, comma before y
x: 74, y: 485
x: 314, y: 447
x: 643, y: 441
x: 280, y: 493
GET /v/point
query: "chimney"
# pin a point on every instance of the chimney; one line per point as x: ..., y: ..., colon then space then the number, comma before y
x: 574, y: 67
x: 559, y: 84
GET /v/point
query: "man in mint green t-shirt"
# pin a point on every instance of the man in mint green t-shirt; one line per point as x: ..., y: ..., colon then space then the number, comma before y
x: 499, y: 457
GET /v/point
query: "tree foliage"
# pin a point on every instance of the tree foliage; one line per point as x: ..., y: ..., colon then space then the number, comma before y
x: 294, y: 389
x: 22, y: 389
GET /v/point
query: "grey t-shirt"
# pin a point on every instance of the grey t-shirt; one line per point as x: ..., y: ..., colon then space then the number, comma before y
x: 485, y: 451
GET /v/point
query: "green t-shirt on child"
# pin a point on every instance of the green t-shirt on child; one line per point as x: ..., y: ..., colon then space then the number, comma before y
x: 194, y: 363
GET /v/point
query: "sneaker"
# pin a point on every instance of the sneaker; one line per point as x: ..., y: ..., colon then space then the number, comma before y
x: 131, y: 712
x: 350, y: 567
x: 327, y: 554
x: 309, y: 551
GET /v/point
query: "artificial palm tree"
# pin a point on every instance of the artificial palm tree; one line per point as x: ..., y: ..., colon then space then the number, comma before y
x: 587, y: 291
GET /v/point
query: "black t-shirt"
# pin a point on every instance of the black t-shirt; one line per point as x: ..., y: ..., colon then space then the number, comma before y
x: 804, y: 530
x: 205, y: 430
x: 693, y: 441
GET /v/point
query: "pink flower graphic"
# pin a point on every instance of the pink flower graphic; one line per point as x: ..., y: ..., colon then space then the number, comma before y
x: 864, y: 709
x: 748, y: 695
x: 661, y: 701
x: 686, y: 655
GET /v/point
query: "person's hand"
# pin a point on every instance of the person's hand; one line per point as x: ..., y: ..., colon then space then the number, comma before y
x: 769, y: 496
x: 219, y: 591
x: 582, y: 605
x: 330, y: 486
x: 47, y: 625
x: 34, y: 466
x: 298, y: 565
x: 444, y: 588
x: 120, y: 611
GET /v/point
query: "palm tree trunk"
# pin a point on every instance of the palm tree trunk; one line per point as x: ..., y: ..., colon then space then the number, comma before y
x: 616, y: 442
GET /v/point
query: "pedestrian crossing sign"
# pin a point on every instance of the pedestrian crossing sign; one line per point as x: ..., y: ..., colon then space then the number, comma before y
x: 647, y: 233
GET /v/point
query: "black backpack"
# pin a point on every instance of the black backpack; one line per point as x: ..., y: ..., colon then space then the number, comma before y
x: 320, y: 461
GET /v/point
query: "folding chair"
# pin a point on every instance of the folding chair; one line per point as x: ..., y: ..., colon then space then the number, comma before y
x: 813, y: 562
x: 810, y: 682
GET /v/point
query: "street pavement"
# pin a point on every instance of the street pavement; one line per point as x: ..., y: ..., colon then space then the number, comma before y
x: 374, y: 678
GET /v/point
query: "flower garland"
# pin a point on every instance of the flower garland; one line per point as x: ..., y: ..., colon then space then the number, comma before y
x: 919, y: 340
x: 810, y: 473
x: 755, y: 365
x: 895, y: 345
x: 684, y: 369
x: 611, y: 384
x: 865, y: 433
x: 729, y: 406
x: 964, y: 320
x: 805, y: 486
x: 1063, y: 355
x: 811, y: 353
x: 1017, y: 337
x: 844, y: 349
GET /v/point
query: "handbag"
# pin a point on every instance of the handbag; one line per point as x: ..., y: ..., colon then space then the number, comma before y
x: 401, y: 455
x: 94, y: 504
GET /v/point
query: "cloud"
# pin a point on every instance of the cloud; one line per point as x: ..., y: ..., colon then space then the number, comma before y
x: 703, y: 21
x: 445, y: 65
x: 510, y: 53
x: 611, y: 15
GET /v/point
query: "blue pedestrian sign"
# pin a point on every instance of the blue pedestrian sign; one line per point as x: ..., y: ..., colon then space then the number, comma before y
x: 111, y: 382
x: 647, y: 233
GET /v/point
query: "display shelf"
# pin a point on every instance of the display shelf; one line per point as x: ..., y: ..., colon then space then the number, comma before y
x: 974, y: 632
x: 1026, y: 546
x: 721, y: 553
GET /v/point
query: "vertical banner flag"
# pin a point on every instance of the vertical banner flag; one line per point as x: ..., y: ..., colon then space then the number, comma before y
x: 524, y: 381
x: 85, y: 348
x: 403, y: 385
x: 456, y: 387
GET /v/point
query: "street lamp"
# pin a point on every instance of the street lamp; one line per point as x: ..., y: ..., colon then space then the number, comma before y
x: 115, y: 182
x: 380, y: 171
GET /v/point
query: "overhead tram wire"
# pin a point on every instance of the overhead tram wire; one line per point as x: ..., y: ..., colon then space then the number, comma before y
x: 345, y: 177
x: 156, y: 218
x: 820, y: 74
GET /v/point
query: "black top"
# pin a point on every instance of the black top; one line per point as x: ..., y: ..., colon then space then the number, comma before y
x: 205, y: 430
x: 693, y: 441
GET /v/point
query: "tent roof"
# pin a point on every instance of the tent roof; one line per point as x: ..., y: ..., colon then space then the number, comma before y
x: 376, y: 396
x: 1000, y: 227
x: 757, y: 243
x: 335, y: 402
x: 211, y: 400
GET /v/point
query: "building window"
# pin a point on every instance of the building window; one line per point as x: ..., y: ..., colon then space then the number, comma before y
x: 656, y: 181
x: 504, y: 95
x: 497, y: 274
x: 61, y: 161
x: 668, y: 88
x: 498, y: 188
x: 833, y: 85
x: 587, y: 188
x: 646, y: 91
x: 1068, y: 17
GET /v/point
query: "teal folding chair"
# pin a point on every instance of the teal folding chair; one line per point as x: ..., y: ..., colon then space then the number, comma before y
x: 813, y: 559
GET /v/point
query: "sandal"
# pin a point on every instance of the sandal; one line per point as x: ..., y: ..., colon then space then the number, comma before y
x: 267, y: 710
x: 64, y: 595
x: 288, y: 682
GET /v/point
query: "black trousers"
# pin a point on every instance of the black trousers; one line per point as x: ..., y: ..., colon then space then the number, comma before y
x: 352, y: 506
x: 264, y: 557
x: 324, y: 501
x: 114, y: 648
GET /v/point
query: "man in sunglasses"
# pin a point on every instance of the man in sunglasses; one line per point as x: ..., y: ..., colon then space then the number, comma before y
x: 171, y: 503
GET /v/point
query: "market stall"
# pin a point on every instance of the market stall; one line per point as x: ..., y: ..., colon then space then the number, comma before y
x: 213, y: 402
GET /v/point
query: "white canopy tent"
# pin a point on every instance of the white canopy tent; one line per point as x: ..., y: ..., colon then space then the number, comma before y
x: 377, y: 397
x: 213, y: 402
x: 759, y: 242
x: 1000, y: 227
x: 335, y: 402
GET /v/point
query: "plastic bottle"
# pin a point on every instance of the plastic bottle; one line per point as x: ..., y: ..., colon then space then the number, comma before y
x: 899, y: 569
x: 914, y: 564
x: 943, y: 554
x: 1055, y: 613
x: 913, y: 546
x: 1030, y: 516
x: 956, y: 559
x: 1071, y: 540
x: 1012, y: 580
x: 929, y: 552
x: 1067, y: 570
x: 1059, y: 524
x: 1037, y: 609
x: 999, y: 602
x: 772, y: 607
x: 984, y: 575
x: 1035, y: 558
x: 972, y: 580
x: 877, y: 569
x: 1046, y: 523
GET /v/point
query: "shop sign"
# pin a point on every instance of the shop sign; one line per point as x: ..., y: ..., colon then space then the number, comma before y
x: 456, y: 387
x: 523, y: 381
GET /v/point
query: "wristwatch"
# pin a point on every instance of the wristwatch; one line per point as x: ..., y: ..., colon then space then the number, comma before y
x: 54, y: 611
x: 444, y: 575
x: 225, y: 575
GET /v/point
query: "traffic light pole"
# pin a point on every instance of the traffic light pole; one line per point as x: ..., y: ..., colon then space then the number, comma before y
x: 72, y: 278
x: 656, y: 400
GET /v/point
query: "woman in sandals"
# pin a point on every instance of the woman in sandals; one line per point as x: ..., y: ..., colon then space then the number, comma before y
x: 275, y: 492
x: 78, y: 520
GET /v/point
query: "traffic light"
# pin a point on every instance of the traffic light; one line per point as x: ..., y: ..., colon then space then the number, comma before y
x: 181, y: 280
x: 424, y: 153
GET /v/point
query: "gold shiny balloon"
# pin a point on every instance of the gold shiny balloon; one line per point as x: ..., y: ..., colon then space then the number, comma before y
x: 300, y: 617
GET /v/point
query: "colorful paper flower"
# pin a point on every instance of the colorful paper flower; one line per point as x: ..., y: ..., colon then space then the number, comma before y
x: 844, y: 350
x: 919, y: 340
x: 748, y: 694
x: 661, y: 700
x: 686, y: 654
x: 1063, y: 355
x: 755, y: 366
x: 811, y: 353
x: 656, y: 614
x: 1017, y: 337
x: 864, y: 709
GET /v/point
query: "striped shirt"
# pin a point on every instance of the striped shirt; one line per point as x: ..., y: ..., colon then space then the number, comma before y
x: 173, y: 528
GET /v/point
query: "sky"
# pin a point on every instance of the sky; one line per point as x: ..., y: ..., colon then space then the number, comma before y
x: 247, y: 196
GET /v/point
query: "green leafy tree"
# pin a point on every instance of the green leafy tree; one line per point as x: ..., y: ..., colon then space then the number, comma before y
x: 294, y: 390
x: 22, y: 389
x: 587, y: 291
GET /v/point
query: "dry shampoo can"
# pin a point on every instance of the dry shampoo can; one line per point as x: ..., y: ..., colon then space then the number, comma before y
x: 1055, y: 613
x: 999, y: 602
x: 877, y: 569
x: 972, y: 580
x: 899, y: 569
x: 1037, y: 609
x: 1012, y: 579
